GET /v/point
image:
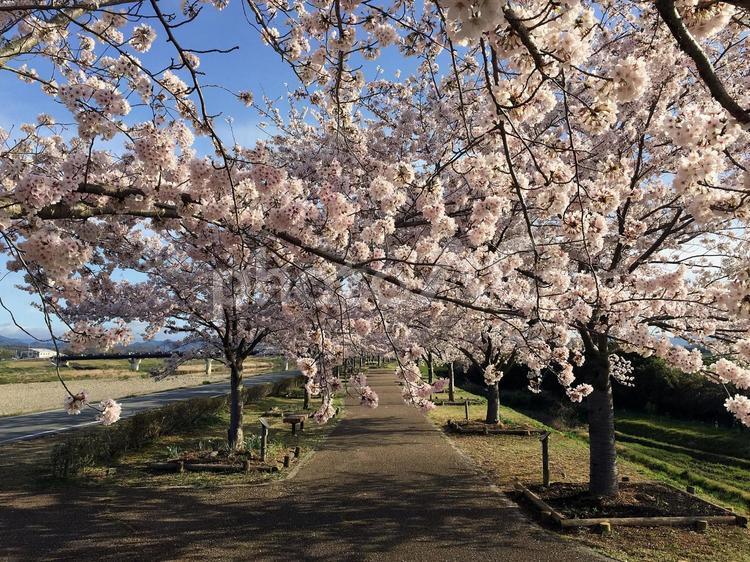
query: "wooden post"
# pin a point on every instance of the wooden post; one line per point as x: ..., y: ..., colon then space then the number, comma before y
x: 286, y: 461
x: 297, y: 451
x: 451, y: 385
x: 466, y: 408
x: 545, y: 457
x: 263, y: 438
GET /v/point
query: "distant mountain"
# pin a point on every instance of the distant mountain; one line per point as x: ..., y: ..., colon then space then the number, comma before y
x: 151, y: 345
x: 23, y: 341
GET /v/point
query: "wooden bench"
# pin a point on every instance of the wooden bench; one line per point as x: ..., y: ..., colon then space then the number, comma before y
x: 295, y: 419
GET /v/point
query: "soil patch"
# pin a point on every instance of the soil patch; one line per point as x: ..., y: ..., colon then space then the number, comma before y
x: 641, y: 499
x: 478, y: 427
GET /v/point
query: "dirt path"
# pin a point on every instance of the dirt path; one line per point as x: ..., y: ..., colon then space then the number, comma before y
x: 387, y: 486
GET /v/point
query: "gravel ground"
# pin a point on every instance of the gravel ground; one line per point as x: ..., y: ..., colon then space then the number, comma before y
x: 22, y: 398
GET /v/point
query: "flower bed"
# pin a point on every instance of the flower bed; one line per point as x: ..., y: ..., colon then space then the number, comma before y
x: 471, y: 402
x: 637, y: 504
x: 474, y: 427
x: 223, y: 461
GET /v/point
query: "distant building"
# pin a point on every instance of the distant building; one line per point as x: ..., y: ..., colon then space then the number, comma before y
x: 36, y: 353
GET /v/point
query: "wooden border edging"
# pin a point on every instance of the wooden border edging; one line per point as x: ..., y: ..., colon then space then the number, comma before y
x: 544, y: 509
x: 487, y: 431
x: 472, y: 402
x: 291, y: 457
x: 677, y: 521
x: 684, y: 521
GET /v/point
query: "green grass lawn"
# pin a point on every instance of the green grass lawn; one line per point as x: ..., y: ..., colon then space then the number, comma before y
x: 507, y: 458
x: 680, y: 452
x: 715, y: 460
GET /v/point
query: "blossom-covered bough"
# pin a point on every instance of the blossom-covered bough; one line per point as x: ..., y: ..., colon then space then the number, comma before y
x: 573, y: 174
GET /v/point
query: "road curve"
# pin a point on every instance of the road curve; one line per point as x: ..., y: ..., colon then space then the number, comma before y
x: 39, y: 424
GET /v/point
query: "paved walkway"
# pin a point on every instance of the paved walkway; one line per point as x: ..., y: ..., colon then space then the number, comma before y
x: 386, y: 486
x: 38, y: 424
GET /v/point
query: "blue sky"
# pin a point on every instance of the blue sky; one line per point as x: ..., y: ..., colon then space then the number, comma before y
x: 254, y: 67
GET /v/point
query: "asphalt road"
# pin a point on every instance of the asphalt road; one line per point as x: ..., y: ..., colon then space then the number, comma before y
x: 29, y: 426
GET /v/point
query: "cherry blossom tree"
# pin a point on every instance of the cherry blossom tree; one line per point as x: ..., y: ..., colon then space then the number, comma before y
x: 546, y: 165
x: 490, y: 356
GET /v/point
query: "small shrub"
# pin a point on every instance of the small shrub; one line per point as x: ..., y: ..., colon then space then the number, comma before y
x: 258, y: 392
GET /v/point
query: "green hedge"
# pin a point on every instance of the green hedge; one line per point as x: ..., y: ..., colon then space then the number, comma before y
x: 102, y: 445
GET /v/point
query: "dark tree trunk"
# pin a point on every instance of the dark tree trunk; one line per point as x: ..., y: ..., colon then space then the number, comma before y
x: 493, y: 403
x: 601, y: 421
x: 430, y: 367
x: 235, y: 437
x: 452, y: 386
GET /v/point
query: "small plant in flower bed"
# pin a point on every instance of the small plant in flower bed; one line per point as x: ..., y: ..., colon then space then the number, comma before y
x: 215, y: 452
x: 252, y: 442
x: 640, y: 499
